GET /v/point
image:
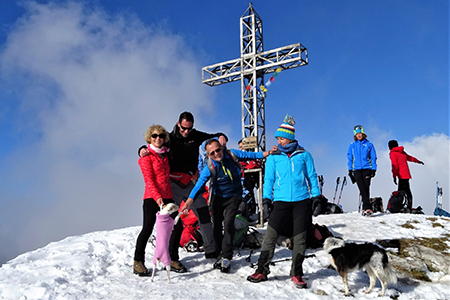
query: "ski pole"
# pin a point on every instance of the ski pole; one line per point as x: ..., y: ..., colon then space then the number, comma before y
x: 344, y: 182
x: 320, y: 177
x: 337, y: 185
x: 360, y: 201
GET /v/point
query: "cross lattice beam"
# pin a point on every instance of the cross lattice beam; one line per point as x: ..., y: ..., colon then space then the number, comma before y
x: 287, y: 57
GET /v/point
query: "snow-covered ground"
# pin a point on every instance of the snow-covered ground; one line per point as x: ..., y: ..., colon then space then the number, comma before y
x: 98, y: 265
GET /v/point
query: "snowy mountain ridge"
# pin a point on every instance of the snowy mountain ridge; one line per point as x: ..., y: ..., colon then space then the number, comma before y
x: 98, y: 265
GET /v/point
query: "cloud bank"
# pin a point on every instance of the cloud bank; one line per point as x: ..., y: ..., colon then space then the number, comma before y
x: 89, y: 85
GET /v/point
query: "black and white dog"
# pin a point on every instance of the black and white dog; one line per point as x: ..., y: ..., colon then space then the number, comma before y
x: 348, y: 257
x: 166, y: 218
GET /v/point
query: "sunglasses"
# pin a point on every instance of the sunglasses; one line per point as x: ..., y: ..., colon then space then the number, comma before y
x: 161, y: 135
x: 214, y: 152
x: 186, y: 128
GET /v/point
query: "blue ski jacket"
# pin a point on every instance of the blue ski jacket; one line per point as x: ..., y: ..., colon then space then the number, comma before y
x: 290, y: 178
x: 361, y: 155
x: 227, y: 181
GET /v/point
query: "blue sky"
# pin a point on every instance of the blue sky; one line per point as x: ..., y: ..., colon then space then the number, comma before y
x: 80, y: 82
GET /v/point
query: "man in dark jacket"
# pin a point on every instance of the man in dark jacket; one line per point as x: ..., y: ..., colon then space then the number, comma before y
x: 183, y: 159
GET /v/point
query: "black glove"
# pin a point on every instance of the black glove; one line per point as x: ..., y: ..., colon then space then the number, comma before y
x: 352, y: 178
x: 267, y: 208
x: 421, y: 162
x: 372, y: 174
x: 317, y: 205
x: 395, y: 180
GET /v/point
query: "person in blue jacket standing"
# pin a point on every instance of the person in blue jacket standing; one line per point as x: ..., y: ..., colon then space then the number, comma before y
x: 362, y: 166
x: 290, y: 180
x: 224, y: 171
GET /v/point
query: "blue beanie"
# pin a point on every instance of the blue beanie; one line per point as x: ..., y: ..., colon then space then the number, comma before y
x: 358, y: 129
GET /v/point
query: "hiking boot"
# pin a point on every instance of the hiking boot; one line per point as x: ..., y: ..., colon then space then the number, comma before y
x: 218, y: 263
x: 299, y: 282
x: 140, y: 269
x: 225, y: 266
x: 177, y: 267
x: 367, y: 213
x: 257, y: 277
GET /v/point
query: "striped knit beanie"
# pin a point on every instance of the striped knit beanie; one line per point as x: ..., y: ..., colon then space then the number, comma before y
x: 286, y: 130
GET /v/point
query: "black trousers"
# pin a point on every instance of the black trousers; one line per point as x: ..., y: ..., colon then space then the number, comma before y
x: 363, y: 178
x: 403, y: 185
x: 150, y: 208
x: 299, y: 214
x: 224, y: 210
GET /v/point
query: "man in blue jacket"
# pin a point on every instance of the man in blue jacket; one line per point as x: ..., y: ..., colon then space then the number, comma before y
x: 290, y: 180
x: 224, y: 172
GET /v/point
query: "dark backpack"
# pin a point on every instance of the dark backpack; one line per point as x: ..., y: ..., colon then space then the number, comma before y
x: 397, y: 202
x: 241, y: 226
x: 246, y: 237
x: 377, y: 204
x: 333, y: 209
x: 317, y: 236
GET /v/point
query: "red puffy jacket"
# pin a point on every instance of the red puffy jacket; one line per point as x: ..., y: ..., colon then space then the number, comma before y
x: 399, y: 161
x: 156, y: 176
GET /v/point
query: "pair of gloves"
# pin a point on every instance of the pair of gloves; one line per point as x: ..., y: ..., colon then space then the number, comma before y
x: 352, y: 175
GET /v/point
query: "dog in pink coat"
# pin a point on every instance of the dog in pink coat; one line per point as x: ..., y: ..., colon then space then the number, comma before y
x: 165, y: 222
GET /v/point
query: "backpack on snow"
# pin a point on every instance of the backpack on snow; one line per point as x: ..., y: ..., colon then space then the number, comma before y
x: 317, y: 236
x: 244, y: 236
x: 377, y: 204
x: 397, y: 202
x: 333, y: 209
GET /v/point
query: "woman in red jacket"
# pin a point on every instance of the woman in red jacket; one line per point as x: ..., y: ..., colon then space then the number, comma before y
x: 155, y: 169
x: 400, y: 169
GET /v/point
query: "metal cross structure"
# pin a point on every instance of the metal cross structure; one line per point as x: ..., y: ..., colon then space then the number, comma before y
x: 250, y: 69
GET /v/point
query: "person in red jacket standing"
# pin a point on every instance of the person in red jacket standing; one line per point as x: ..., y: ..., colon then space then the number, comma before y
x: 400, y: 169
x: 155, y: 169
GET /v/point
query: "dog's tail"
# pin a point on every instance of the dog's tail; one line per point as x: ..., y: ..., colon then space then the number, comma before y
x: 380, y: 263
x: 389, y: 274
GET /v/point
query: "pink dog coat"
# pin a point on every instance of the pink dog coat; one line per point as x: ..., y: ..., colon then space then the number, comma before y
x: 164, y: 227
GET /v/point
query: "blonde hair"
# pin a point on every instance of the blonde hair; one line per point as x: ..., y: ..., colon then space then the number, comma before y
x: 158, y: 129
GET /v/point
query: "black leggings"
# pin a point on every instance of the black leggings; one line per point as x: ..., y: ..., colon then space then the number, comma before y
x: 363, y: 178
x: 150, y: 208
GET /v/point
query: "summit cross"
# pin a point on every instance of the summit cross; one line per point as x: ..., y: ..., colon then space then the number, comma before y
x: 250, y: 69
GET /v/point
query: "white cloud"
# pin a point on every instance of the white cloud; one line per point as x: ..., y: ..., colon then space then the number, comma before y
x: 90, y: 85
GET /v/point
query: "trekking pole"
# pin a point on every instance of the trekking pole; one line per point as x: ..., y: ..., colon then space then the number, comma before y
x: 249, y: 256
x: 344, y: 182
x: 320, y: 177
x: 360, y: 201
x: 337, y: 185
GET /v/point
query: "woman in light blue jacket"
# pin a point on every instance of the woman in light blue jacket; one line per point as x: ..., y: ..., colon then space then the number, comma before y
x: 362, y: 165
x: 290, y: 180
